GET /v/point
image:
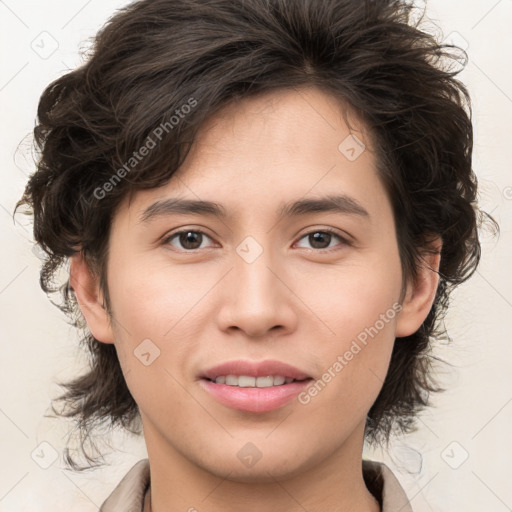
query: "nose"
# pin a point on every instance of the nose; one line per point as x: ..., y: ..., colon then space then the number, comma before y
x: 258, y: 298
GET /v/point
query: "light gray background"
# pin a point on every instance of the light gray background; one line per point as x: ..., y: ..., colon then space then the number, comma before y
x: 472, y: 419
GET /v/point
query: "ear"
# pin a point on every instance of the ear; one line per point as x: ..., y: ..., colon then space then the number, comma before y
x: 85, y: 284
x: 421, y: 293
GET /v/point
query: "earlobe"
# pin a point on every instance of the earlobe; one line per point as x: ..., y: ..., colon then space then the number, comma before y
x: 90, y: 299
x: 421, y: 293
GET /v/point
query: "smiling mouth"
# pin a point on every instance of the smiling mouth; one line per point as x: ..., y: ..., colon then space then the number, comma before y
x: 254, y: 394
x: 247, y: 381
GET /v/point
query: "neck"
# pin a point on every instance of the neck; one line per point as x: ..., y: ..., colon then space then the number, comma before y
x: 333, y: 483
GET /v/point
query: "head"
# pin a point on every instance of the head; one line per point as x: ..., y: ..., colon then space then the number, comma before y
x: 253, y: 106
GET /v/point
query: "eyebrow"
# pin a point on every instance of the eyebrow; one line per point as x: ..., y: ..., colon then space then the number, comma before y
x: 333, y: 203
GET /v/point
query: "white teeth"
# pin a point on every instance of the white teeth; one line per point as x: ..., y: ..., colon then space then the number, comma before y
x: 231, y: 380
x: 245, y: 381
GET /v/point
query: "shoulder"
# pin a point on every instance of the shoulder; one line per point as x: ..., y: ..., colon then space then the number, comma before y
x: 386, y: 488
x: 129, y: 493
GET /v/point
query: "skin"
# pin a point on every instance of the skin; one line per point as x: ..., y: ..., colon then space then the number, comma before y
x: 297, y: 302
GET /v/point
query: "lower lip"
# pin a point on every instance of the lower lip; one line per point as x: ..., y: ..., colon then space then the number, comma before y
x: 254, y: 399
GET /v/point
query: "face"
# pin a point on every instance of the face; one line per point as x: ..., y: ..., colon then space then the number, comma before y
x: 313, y: 288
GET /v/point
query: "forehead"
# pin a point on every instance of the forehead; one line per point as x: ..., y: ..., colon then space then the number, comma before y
x: 271, y: 149
x: 286, y: 124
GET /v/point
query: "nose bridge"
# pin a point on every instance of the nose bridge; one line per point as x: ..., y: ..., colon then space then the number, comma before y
x: 254, y: 282
x: 256, y: 300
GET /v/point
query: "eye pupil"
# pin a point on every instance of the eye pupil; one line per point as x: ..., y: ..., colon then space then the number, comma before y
x: 318, y: 237
x: 190, y: 236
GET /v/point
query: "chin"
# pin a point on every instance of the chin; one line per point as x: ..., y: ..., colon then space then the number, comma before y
x: 266, y: 469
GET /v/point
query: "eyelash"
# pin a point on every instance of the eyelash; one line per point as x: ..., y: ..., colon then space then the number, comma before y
x: 343, y: 240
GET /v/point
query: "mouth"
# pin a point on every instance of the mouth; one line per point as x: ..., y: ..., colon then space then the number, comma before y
x: 255, y: 387
x: 247, y: 381
x: 245, y: 371
x: 251, y: 395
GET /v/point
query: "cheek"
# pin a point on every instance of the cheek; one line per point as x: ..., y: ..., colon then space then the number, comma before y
x: 358, y: 308
x: 354, y: 367
x: 153, y: 300
x: 160, y: 314
x: 154, y: 330
x: 353, y: 296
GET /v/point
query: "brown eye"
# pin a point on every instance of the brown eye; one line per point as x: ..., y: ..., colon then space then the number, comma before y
x: 321, y: 239
x: 189, y: 240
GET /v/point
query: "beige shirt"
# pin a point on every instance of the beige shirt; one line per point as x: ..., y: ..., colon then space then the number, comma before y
x: 132, y: 493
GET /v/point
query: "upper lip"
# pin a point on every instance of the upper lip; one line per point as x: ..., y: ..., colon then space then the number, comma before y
x: 254, y: 369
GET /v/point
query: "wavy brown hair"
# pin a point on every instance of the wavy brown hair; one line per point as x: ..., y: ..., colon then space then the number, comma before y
x: 153, y: 56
